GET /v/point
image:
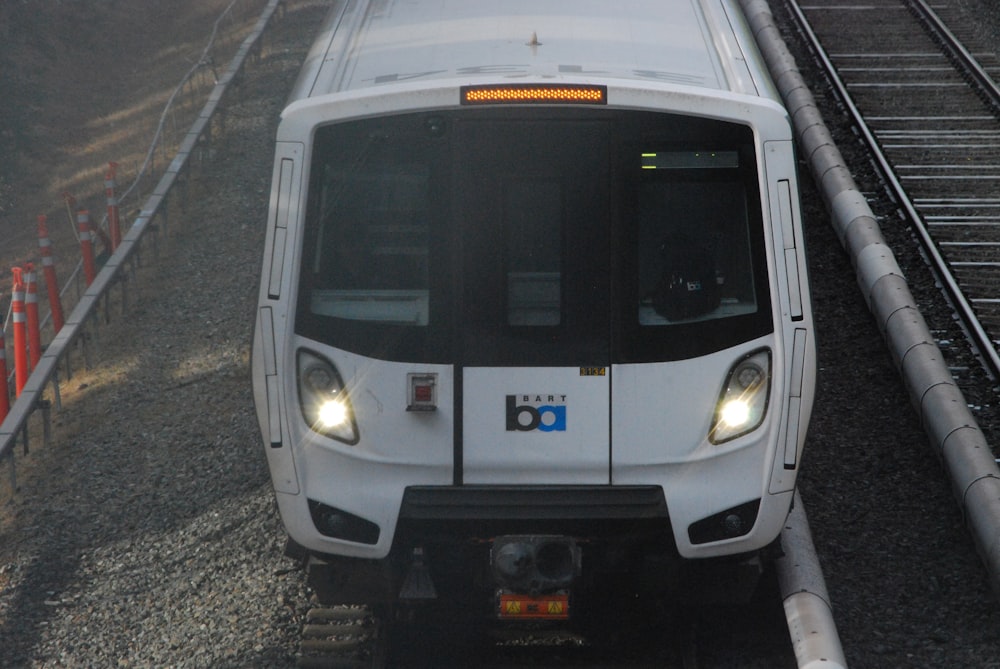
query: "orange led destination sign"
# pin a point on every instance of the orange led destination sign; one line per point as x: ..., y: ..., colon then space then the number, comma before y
x: 534, y: 94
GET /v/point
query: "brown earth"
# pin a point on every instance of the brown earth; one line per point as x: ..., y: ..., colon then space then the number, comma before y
x: 84, y: 84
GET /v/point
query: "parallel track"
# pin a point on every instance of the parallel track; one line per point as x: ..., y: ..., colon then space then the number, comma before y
x: 919, y: 84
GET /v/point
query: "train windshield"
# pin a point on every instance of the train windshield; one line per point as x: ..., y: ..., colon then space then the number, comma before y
x: 534, y: 237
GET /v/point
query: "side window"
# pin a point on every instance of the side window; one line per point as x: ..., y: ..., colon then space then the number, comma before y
x: 371, y: 257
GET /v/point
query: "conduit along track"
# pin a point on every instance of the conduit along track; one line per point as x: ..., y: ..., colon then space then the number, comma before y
x: 927, y: 107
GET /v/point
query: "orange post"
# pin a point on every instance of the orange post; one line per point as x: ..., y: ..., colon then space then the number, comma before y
x: 86, y: 245
x: 114, y: 223
x: 31, y: 311
x: 4, y: 391
x: 49, y: 268
x: 20, y: 338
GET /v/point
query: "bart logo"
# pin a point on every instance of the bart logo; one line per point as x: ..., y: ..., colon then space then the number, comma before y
x: 545, y: 413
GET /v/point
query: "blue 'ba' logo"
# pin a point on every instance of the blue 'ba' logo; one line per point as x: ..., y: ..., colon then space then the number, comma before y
x: 546, y: 413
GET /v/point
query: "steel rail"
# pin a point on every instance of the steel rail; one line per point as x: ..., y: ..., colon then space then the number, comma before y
x: 979, y: 338
x: 957, y: 50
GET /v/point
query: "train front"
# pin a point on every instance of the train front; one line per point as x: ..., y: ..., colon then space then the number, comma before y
x: 533, y: 346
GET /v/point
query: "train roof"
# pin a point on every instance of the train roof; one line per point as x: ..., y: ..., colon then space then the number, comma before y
x: 366, y: 44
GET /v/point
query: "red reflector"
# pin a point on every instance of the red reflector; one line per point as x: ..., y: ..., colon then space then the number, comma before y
x: 543, y: 607
x: 421, y: 392
x: 535, y: 93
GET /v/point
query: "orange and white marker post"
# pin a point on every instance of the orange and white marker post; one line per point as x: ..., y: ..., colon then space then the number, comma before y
x: 86, y: 245
x: 19, y: 325
x: 114, y: 222
x: 49, y: 269
x: 31, y: 311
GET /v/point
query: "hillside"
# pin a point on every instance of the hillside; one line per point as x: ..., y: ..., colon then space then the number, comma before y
x: 83, y: 84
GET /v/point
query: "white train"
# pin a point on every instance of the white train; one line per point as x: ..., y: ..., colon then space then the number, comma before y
x: 534, y: 327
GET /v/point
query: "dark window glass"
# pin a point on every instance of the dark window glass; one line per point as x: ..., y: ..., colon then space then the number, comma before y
x: 533, y: 250
x: 533, y: 237
x: 694, y: 257
x: 370, y: 261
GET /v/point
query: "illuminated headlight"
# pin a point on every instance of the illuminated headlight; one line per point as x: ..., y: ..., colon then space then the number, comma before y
x: 323, y: 398
x: 743, y: 401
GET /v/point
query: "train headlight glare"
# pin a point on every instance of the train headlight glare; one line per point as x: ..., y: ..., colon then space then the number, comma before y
x: 743, y: 402
x: 324, y: 400
x: 735, y: 413
x: 332, y: 414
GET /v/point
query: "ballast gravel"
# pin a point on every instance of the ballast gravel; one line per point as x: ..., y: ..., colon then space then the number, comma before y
x: 145, y: 533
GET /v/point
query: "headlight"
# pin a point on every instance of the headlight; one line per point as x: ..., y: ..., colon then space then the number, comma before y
x: 323, y: 398
x: 743, y: 401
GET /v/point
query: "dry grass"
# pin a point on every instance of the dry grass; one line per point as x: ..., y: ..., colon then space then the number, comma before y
x: 86, y: 86
x: 86, y: 102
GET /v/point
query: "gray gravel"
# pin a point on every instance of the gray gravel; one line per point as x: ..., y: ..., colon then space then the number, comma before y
x: 146, y: 534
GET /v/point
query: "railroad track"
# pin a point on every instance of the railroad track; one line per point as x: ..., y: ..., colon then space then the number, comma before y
x: 350, y: 637
x: 919, y: 83
x: 344, y: 637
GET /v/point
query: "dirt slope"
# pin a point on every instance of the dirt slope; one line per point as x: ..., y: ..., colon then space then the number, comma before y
x: 83, y: 84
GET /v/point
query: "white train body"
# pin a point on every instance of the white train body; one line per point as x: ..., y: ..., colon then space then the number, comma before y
x: 532, y: 254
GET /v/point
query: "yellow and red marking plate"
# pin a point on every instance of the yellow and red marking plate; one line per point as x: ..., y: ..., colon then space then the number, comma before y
x: 533, y: 607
